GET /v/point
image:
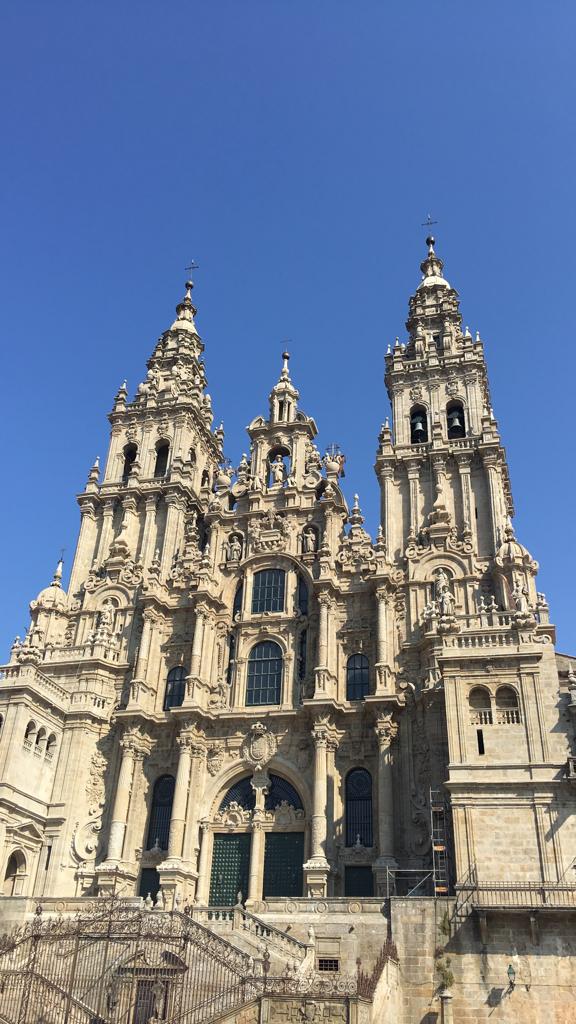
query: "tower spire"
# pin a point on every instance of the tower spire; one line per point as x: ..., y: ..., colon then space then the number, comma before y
x: 185, y: 311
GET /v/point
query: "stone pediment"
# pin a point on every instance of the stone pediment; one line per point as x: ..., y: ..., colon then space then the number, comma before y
x: 26, y: 830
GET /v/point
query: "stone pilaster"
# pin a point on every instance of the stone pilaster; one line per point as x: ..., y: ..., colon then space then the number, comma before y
x: 316, y: 869
x: 386, y: 730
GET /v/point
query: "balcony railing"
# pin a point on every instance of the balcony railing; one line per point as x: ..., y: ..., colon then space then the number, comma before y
x: 521, y: 895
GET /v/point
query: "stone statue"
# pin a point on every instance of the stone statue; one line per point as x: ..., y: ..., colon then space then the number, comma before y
x: 309, y: 541
x: 234, y: 549
x: 520, y: 598
x: 277, y: 470
x: 444, y: 596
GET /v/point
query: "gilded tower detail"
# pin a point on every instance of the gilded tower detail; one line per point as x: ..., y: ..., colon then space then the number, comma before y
x: 244, y: 700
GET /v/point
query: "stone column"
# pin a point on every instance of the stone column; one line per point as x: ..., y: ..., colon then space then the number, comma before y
x: 382, y: 659
x: 198, y: 755
x: 447, y: 1016
x: 106, y: 531
x: 85, y: 548
x: 173, y: 509
x: 260, y: 783
x: 197, y: 644
x: 468, y: 509
x: 144, y: 648
x: 491, y: 465
x: 324, y: 602
x: 413, y: 468
x: 178, y: 819
x: 122, y: 800
x: 316, y: 869
x: 203, y: 886
x: 385, y: 730
x: 387, y: 512
x: 148, y: 536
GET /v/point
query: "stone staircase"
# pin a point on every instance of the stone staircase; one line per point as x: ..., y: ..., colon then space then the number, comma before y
x: 260, y: 940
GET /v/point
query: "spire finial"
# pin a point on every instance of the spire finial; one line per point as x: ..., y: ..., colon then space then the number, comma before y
x: 57, y: 579
x: 430, y: 242
x: 285, y: 359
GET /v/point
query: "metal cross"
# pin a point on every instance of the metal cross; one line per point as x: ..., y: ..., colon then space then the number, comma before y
x: 428, y: 222
x: 193, y: 266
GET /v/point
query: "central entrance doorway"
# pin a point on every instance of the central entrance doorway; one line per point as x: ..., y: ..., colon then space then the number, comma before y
x: 230, y: 868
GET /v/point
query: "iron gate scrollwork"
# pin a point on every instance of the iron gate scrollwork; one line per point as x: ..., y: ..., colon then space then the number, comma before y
x: 119, y: 965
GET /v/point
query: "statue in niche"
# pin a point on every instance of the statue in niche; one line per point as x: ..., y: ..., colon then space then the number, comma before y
x: 277, y: 470
x: 309, y: 542
x: 520, y: 598
x: 234, y: 548
x: 444, y: 596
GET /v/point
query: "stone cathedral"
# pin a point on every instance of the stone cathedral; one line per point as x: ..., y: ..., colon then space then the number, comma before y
x: 340, y: 768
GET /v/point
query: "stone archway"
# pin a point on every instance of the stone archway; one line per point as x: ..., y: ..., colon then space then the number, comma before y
x: 258, y: 841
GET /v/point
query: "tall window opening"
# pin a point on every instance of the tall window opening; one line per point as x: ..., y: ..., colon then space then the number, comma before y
x: 455, y: 420
x: 357, y: 677
x: 175, y: 687
x: 418, y: 425
x: 162, y: 453
x: 480, y: 704
x: 507, y: 706
x: 15, y: 874
x: 359, y: 808
x: 130, y: 453
x: 302, y: 645
x: 302, y: 595
x: 268, y: 591
x: 160, y: 813
x: 264, y: 685
x: 238, y: 599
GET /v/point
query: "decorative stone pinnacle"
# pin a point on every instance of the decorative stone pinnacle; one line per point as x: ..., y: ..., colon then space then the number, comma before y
x: 57, y: 580
x: 430, y: 241
x: 285, y: 374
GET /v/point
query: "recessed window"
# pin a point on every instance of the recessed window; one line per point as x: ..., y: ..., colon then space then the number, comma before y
x: 418, y: 425
x: 357, y: 677
x: 268, y: 591
x: 160, y: 813
x: 264, y: 684
x: 359, y: 808
x: 130, y: 453
x: 175, y: 687
x: 455, y: 420
x: 480, y: 740
x: 162, y: 453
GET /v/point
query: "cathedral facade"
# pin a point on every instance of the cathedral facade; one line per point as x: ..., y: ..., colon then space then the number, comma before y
x: 243, y: 704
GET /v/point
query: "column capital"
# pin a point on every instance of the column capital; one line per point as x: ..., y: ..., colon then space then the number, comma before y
x: 386, y: 730
x: 463, y: 460
x: 135, y: 743
x: 490, y: 459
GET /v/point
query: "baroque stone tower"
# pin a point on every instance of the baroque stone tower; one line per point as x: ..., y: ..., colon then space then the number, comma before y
x: 242, y: 692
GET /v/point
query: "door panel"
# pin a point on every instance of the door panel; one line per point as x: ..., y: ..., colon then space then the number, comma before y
x: 230, y: 868
x: 283, y: 858
x: 358, y: 881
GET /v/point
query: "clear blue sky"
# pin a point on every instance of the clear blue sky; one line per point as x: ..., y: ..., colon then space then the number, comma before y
x: 293, y: 148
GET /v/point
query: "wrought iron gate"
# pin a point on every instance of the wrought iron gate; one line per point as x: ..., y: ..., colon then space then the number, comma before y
x: 117, y: 965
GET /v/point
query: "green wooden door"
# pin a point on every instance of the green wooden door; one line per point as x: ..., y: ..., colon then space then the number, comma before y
x: 283, y: 858
x: 230, y: 869
x: 358, y: 881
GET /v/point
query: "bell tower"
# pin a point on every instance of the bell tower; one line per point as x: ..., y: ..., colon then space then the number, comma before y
x: 473, y: 633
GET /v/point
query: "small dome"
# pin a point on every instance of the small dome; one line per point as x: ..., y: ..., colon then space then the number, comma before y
x: 512, y: 552
x: 53, y: 596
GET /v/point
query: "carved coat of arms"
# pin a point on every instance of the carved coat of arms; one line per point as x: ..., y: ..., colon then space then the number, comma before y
x: 259, y: 746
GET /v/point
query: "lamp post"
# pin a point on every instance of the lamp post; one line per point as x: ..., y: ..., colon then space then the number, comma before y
x: 511, y: 977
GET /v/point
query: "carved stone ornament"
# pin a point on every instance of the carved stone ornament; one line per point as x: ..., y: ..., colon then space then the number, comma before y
x: 259, y: 746
x: 215, y: 760
x: 415, y: 393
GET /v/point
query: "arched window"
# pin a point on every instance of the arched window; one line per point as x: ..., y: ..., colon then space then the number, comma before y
x: 359, y: 808
x: 455, y: 420
x: 279, y: 790
x: 264, y: 685
x: 30, y: 734
x: 40, y: 741
x: 162, y: 453
x: 130, y: 453
x: 357, y: 677
x: 268, y: 591
x: 480, y: 706
x: 15, y: 874
x: 50, y: 746
x: 175, y: 687
x: 507, y: 706
x: 160, y: 813
x: 418, y: 425
x: 205, y: 479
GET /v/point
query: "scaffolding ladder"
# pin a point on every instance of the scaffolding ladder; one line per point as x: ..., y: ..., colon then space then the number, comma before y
x: 439, y: 842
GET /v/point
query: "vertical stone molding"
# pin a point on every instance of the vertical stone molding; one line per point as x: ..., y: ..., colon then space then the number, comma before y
x: 106, y: 531
x: 490, y: 460
x: 386, y: 730
x: 324, y: 603
x: 382, y: 658
x: 413, y: 468
x: 134, y: 746
x: 178, y: 819
x: 317, y: 868
x: 203, y: 885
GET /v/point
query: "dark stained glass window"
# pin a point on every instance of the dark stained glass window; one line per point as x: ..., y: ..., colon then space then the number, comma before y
x: 268, y: 591
x: 161, y: 812
x: 264, y: 684
x: 357, y: 677
x: 359, y: 807
x: 175, y: 687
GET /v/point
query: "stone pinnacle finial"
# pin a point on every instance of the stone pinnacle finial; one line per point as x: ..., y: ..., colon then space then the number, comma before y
x: 285, y: 371
x: 57, y: 580
x: 185, y: 310
x: 430, y: 242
